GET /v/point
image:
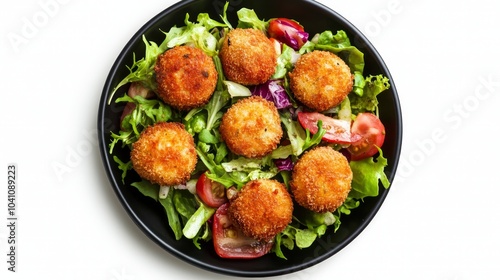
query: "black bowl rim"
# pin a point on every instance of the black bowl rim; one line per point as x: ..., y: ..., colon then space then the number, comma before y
x: 228, y: 271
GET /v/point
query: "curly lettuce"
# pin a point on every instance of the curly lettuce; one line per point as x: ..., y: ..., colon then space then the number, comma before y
x: 199, y: 33
x: 366, y: 100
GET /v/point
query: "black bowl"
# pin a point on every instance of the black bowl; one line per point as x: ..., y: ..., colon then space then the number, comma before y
x: 150, y: 217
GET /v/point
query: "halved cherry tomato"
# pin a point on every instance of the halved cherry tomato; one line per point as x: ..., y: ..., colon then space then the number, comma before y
x: 337, y: 131
x: 288, y: 31
x: 372, y: 132
x: 213, y: 194
x: 231, y: 243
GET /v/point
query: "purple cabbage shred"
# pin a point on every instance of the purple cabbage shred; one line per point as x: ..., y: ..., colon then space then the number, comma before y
x: 273, y: 91
x: 284, y: 164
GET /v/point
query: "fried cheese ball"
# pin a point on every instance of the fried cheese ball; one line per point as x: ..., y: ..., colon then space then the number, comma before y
x: 262, y: 209
x: 247, y: 56
x: 321, y: 180
x: 251, y: 127
x: 321, y: 80
x: 164, y: 154
x: 186, y: 77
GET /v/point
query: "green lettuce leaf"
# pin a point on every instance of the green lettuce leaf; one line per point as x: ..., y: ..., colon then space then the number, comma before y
x: 146, y: 112
x: 147, y: 188
x: 238, y: 171
x: 366, y: 98
x: 123, y: 166
x: 285, y: 62
x: 142, y: 70
x: 304, y: 237
x: 366, y: 176
x: 247, y: 18
x: 359, y: 83
x: 184, y: 203
x: 339, y: 44
x: 152, y: 190
x: 196, y: 222
x: 300, y: 138
x: 172, y: 215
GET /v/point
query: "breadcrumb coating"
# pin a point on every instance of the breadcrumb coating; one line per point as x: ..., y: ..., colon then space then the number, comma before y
x: 186, y: 77
x: 321, y: 179
x: 262, y: 209
x: 251, y: 127
x: 321, y: 80
x: 248, y: 57
x: 164, y: 154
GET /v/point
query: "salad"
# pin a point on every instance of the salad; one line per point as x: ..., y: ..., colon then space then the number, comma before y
x: 196, y: 208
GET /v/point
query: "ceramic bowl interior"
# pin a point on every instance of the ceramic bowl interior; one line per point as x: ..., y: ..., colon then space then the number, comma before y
x: 150, y: 217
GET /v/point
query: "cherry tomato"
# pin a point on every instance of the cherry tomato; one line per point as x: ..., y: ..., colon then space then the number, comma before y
x: 213, y: 194
x: 288, y: 31
x: 337, y: 131
x: 231, y: 243
x: 372, y: 133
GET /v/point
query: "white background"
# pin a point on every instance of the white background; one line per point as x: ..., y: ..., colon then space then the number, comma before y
x: 441, y: 219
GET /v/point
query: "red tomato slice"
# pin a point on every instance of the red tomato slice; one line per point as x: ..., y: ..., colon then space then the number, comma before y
x: 231, y: 243
x: 372, y: 133
x: 288, y: 31
x: 337, y: 131
x: 211, y: 193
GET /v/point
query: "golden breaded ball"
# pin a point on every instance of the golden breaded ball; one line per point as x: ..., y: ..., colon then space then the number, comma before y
x: 186, y: 77
x: 248, y: 57
x: 262, y: 209
x: 321, y: 80
x: 251, y: 127
x: 321, y: 180
x: 164, y: 154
